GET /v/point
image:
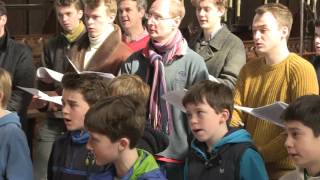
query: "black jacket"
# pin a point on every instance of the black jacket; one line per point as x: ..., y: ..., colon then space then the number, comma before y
x: 17, y: 59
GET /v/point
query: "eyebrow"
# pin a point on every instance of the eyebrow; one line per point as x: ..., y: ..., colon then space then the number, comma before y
x: 293, y: 129
x: 259, y: 27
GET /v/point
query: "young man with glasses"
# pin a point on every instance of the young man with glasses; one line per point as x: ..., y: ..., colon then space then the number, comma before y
x: 167, y: 64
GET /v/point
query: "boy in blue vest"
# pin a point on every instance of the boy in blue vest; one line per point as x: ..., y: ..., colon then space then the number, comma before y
x: 218, y: 151
x: 303, y: 137
x: 115, y: 125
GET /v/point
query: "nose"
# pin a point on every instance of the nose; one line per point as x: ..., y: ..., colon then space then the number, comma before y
x: 88, y: 20
x: 201, y: 12
x: 256, y: 34
x: 288, y: 143
x: 65, y: 110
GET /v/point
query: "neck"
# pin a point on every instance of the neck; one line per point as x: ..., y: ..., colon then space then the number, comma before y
x: 314, y: 170
x: 219, y: 134
x: 125, y: 162
x: 95, y: 42
x: 2, y: 32
x: 134, y: 33
x: 207, y: 32
x: 2, y: 112
x: 277, y: 55
x: 166, y: 40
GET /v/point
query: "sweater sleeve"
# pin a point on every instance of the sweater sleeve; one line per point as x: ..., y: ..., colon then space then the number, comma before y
x: 19, y: 165
x: 235, y: 59
x: 237, y: 118
x: 252, y: 165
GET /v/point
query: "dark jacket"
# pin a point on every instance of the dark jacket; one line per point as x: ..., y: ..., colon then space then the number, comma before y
x: 108, y: 58
x: 17, y: 59
x: 56, y: 52
x: 69, y: 158
x: 224, y: 55
x: 231, y: 158
x: 15, y: 159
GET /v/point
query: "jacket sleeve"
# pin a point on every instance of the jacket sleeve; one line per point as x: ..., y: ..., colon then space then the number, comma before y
x: 235, y: 59
x: 19, y: 165
x: 23, y: 76
x: 252, y: 165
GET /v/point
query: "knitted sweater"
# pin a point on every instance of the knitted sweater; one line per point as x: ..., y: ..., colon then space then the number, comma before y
x: 260, y: 84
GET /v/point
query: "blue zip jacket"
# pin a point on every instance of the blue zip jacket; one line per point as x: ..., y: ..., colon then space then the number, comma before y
x: 251, y: 163
x: 15, y: 160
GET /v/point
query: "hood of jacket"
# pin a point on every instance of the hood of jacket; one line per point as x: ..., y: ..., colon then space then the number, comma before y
x: 234, y: 136
x: 10, y: 117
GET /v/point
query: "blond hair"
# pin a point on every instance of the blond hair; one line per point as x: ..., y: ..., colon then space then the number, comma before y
x: 5, y: 87
x: 111, y: 5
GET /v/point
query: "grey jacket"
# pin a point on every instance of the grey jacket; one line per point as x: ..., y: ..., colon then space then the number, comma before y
x: 181, y: 74
x: 224, y: 55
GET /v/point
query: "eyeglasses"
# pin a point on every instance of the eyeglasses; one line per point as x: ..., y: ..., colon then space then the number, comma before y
x: 156, y: 17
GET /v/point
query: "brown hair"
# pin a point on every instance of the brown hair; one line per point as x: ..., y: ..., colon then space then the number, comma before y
x: 92, y: 86
x: 5, y: 87
x: 111, y: 5
x: 78, y: 4
x: 130, y: 85
x: 218, y: 96
x: 141, y: 4
x: 116, y: 117
x: 280, y: 12
x: 218, y: 3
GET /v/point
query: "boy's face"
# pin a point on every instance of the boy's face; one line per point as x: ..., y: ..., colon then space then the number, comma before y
x: 205, y: 124
x: 97, y: 20
x: 104, y: 150
x: 68, y: 17
x: 74, y: 109
x: 317, y: 39
x: 267, y: 35
x: 302, y: 146
x: 208, y: 14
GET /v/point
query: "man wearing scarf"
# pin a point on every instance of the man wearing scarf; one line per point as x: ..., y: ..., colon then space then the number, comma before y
x: 56, y: 52
x: 167, y: 64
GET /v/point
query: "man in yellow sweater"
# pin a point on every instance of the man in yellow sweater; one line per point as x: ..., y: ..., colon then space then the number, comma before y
x: 277, y: 76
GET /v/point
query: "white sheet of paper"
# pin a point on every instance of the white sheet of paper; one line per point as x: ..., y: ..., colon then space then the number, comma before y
x: 43, y: 72
x: 175, y: 98
x: 271, y: 112
x: 42, y: 96
x: 213, y: 79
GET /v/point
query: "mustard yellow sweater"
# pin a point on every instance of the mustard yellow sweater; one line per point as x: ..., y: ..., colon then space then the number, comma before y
x: 260, y: 84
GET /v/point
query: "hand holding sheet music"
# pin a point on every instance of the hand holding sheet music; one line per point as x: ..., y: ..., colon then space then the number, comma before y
x: 42, y: 96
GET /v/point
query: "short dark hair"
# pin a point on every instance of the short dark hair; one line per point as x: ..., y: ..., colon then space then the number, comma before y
x: 218, y: 96
x: 305, y: 109
x: 117, y: 117
x: 3, y: 9
x: 77, y: 3
x: 92, y: 86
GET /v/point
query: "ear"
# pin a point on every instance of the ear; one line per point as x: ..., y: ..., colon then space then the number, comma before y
x: 111, y: 18
x: 285, y: 32
x: 141, y: 13
x: 221, y: 11
x: 3, y: 20
x: 123, y: 144
x: 176, y: 22
x: 80, y: 14
x: 224, y: 116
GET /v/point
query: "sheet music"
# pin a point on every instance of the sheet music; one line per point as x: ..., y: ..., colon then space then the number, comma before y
x: 213, y: 79
x: 42, y: 96
x: 43, y: 72
x: 271, y: 112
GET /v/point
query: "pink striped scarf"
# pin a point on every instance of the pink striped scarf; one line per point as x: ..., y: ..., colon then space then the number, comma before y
x: 161, y: 55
